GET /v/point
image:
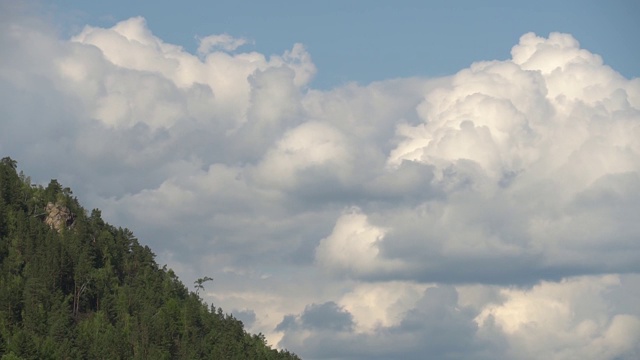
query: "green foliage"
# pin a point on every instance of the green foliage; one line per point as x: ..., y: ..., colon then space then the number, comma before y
x: 199, y: 284
x: 92, y: 291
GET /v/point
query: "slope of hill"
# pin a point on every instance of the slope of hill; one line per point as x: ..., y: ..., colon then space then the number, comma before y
x: 74, y: 287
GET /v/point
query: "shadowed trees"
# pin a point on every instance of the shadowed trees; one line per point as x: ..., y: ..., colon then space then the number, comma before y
x: 89, y: 290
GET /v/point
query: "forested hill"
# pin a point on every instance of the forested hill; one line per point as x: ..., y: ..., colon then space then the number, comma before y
x: 75, y: 287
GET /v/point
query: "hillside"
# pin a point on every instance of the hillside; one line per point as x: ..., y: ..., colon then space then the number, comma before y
x: 74, y: 287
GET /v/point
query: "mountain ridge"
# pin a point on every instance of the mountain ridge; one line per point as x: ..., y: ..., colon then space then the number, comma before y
x: 75, y: 287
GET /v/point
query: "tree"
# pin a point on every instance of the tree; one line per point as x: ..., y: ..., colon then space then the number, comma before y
x: 9, y: 162
x: 199, y: 283
x: 93, y: 291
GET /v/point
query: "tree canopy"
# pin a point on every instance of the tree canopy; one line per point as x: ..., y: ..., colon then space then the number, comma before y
x: 75, y: 287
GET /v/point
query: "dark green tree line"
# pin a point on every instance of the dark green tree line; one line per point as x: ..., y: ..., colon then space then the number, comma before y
x: 89, y: 290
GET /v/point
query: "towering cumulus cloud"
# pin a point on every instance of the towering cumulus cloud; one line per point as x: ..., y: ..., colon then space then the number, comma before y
x: 533, y: 173
x: 491, y: 214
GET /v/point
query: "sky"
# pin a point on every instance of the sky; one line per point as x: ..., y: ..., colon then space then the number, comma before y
x: 361, y: 180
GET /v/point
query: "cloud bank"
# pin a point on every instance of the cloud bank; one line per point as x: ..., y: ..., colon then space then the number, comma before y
x: 488, y: 214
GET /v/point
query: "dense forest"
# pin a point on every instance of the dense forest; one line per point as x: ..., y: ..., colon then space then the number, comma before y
x: 74, y: 287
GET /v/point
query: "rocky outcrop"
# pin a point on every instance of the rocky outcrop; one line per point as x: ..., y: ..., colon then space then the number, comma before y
x: 58, y: 216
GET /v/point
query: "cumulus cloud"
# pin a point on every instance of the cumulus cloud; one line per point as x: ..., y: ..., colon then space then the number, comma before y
x: 512, y: 153
x: 352, y: 245
x: 487, y: 214
x: 569, y: 319
x: 434, y: 326
x: 575, y: 318
x: 224, y: 42
x: 327, y: 316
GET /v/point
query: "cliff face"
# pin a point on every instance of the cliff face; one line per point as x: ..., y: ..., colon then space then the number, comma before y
x: 58, y: 216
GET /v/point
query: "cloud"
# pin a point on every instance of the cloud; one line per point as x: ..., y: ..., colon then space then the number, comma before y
x: 511, y: 156
x: 224, y: 42
x: 569, y: 319
x: 578, y: 317
x: 352, y: 245
x: 368, y: 217
x: 328, y: 316
x: 435, y: 325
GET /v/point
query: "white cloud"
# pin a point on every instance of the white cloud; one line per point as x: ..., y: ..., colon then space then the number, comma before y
x: 130, y: 45
x: 512, y: 157
x: 311, y: 146
x: 410, y: 206
x: 375, y: 305
x: 224, y: 42
x: 352, y: 245
x: 574, y: 318
x: 564, y: 320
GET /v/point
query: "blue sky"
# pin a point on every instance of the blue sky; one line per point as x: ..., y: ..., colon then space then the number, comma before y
x: 415, y: 178
x: 366, y: 41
